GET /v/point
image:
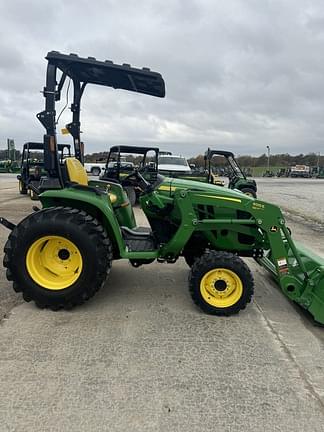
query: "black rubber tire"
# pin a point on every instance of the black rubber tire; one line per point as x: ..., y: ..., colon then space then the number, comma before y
x: 131, y: 194
x: 215, y: 259
x: 80, y: 228
x: 249, y: 191
x: 95, y: 171
x: 22, y: 188
x: 191, y: 257
x: 33, y: 195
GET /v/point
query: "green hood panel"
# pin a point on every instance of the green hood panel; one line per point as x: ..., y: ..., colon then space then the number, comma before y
x: 169, y: 185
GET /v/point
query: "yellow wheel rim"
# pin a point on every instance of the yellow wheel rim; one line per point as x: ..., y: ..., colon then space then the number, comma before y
x: 54, y: 262
x: 249, y: 194
x: 221, y: 288
x: 20, y: 185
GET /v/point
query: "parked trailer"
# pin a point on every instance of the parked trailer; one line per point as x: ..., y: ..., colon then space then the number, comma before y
x: 303, y: 171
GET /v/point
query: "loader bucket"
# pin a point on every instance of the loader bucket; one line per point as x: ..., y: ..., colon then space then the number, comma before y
x: 313, y: 297
x: 301, y: 278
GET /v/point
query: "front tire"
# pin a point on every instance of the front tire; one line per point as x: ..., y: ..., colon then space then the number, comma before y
x: 59, y: 257
x: 190, y: 256
x: 33, y: 195
x: 220, y: 283
x: 249, y: 192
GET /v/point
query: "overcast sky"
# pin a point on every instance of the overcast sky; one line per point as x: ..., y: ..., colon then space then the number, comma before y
x: 240, y: 74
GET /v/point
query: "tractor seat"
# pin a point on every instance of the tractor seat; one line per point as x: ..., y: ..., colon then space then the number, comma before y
x: 77, y: 174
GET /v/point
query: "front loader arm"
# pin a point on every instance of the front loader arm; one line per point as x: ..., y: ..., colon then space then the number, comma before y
x: 299, y: 273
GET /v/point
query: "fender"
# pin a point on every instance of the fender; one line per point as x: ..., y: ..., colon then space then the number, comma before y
x: 96, y: 204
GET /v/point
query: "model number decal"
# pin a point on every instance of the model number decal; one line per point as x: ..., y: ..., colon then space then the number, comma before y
x: 257, y: 206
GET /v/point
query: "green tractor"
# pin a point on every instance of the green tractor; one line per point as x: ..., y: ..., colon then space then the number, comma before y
x: 60, y: 255
x: 237, y: 178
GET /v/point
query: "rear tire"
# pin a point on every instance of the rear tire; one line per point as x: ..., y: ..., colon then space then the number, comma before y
x: 57, y: 276
x: 220, y: 283
x: 22, y: 188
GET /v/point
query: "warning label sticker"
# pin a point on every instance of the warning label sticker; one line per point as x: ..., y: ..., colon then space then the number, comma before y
x: 282, y: 262
x: 282, y: 265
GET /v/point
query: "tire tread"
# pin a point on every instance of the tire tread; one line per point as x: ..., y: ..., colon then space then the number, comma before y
x: 96, y: 234
x: 222, y: 259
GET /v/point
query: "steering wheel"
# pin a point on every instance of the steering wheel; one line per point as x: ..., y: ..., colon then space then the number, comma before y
x: 136, y: 179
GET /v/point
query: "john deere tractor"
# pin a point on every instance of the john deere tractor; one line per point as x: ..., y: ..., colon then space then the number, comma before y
x: 60, y: 255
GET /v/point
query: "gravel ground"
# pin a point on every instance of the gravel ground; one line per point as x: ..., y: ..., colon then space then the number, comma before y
x: 302, y: 202
x: 303, y: 198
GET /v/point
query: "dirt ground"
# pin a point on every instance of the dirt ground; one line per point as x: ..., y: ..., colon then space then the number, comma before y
x: 139, y: 356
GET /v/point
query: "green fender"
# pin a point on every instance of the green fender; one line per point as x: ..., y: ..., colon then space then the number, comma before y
x: 98, y: 205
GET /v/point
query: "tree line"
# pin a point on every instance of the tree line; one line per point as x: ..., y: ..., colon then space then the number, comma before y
x: 282, y: 159
x: 4, y: 154
x: 276, y: 160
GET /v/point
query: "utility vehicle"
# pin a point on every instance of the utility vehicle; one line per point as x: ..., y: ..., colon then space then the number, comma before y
x: 237, y: 178
x: 283, y: 172
x: 120, y: 163
x: 8, y: 166
x: 178, y: 167
x: 60, y: 255
x: 32, y: 166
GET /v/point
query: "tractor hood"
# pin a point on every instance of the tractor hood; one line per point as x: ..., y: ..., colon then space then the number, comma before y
x: 170, y: 185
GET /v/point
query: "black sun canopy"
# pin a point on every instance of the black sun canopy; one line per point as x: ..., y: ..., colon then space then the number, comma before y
x: 107, y: 73
x: 84, y: 71
x: 132, y: 149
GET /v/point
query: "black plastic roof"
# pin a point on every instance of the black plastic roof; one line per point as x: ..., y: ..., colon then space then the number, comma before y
x: 131, y: 149
x: 107, y: 73
x: 210, y: 153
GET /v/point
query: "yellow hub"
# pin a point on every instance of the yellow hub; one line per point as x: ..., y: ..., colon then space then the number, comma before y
x: 54, y: 262
x: 221, y: 288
